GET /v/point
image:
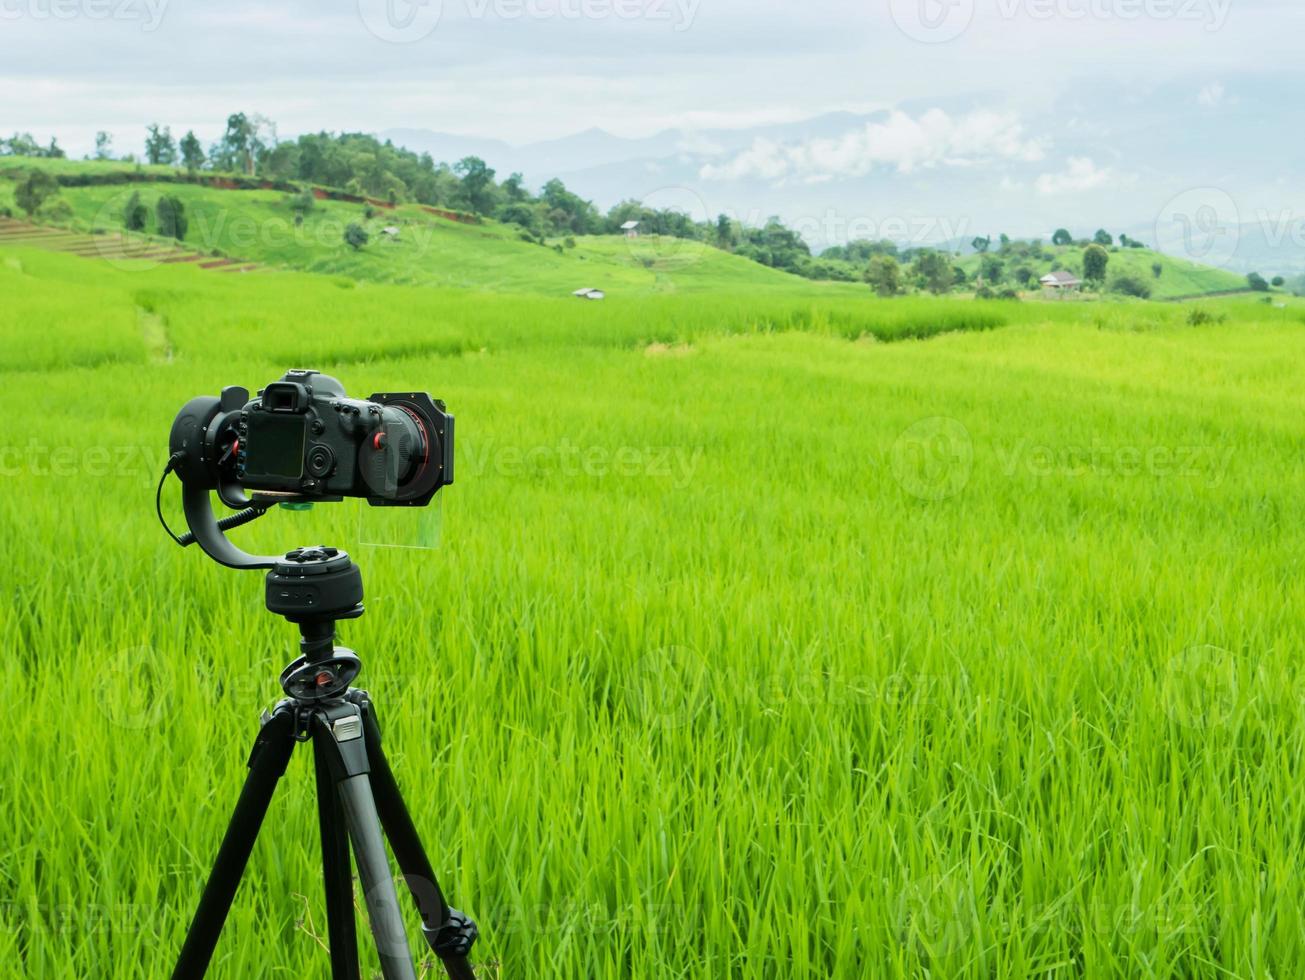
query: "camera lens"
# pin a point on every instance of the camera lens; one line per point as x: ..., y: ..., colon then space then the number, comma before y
x: 396, y: 453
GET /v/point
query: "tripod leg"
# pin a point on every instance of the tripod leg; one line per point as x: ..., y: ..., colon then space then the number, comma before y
x: 340, y: 732
x: 337, y: 870
x: 267, y: 763
x: 449, y: 932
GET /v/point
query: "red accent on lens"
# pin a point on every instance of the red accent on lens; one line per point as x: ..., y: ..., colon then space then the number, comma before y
x: 324, y: 678
x: 378, y: 441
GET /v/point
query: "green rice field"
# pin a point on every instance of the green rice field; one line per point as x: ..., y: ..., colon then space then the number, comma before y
x: 768, y: 630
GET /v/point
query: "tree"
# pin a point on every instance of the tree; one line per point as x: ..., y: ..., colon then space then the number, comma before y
x: 192, y: 153
x: 933, y: 270
x: 992, y: 269
x: 1062, y: 237
x: 1024, y: 275
x: 32, y: 192
x: 135, y: 213
x: 1103, y: 238
x: 170, y: 214
x: 884, y: 275
x: 515, y: 190
x: 1279, y: 281
x: 159, y: 145
x: 724, y: 231
x: 103, y: 146
x: 1157, y: 270
x: 1095, y: 260
x: 235, y: 150
x: 981, y: 244
x: 1257, y: 282
x: 303, y: 202
x: 355, y: 236
x: 477, y: 184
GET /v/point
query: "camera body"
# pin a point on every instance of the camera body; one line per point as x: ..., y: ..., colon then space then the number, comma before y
x: 302, y: 438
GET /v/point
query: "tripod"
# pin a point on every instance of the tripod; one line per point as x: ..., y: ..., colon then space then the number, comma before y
x: 357, y: 795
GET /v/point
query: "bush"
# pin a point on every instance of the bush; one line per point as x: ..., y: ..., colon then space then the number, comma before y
x: 355, y: 236
x: 134, y: 214
x: 1126, y: 284
x: 171, y: 216
x: 1257, y: 282
x: 1198, y: 317
x: 983, y: 292
x: 1008, y: 293
x: 57, y: 211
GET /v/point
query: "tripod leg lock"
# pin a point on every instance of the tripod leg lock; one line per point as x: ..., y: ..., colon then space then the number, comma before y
x: 454, y: 938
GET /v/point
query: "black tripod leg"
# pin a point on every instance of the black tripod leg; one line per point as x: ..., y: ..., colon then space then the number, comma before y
x: 267, y: 764
x: 449, y: 932
x: 337, y: 871
x: 339, y: 730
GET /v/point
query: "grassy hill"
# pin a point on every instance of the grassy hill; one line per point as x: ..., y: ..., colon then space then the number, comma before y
x: 260, y: 226
x: 1178, y: 277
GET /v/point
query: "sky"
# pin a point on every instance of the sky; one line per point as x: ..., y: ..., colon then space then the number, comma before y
x: 1117, y: 105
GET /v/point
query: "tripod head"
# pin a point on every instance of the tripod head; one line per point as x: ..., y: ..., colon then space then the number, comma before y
x: 315, y: 588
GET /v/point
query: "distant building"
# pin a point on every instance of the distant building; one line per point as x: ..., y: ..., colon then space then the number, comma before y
x: 631, y: 229
x: 1060, y: 282
x: 390, y: 232
x: 588, y: 293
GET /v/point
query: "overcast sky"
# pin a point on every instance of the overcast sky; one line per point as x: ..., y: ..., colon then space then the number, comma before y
x: 522, y: 70
x: 1022, y: 87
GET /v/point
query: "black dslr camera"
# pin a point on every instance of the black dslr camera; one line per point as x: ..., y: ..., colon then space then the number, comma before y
x: 303, y: 439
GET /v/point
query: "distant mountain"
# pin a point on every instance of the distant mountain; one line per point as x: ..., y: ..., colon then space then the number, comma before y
x: 934, y: 173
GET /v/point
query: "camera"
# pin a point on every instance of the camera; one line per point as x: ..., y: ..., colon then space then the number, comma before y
x: 303, y: 439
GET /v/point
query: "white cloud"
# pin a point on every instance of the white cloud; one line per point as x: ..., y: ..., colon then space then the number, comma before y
x: 901, y: 142
x: 1212, y: 96
x: 1080, y: 175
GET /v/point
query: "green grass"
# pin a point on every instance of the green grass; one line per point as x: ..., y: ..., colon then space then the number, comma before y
x: 751, y: 649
